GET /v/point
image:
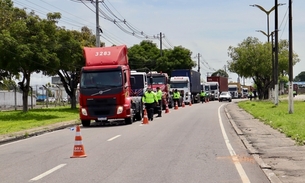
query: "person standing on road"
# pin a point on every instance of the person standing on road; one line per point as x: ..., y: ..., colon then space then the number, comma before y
x: 159, y: 98
x: 202, y: 96
x: 176, y: 97
x: 149, y: 99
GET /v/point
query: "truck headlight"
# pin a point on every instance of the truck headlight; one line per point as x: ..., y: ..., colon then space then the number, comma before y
x: 119, y: 110
x: 84, y: 112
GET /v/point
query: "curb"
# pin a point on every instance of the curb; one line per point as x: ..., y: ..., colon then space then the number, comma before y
x: 252, y: 151
x: 35, y: 132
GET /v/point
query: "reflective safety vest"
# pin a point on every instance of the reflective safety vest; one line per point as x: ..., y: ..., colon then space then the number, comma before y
x: 149, y: 98
x: 176, y: 95
x: 202, y: 94
x: 159, y: 95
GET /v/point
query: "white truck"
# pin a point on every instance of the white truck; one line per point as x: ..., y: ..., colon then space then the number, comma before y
x: 245, y: 92
x: 214, y: 88
x: 233, y: 89
x: 138, y: 88
x: 182, y: 84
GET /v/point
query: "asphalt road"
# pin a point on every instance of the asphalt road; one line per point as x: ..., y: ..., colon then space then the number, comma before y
x: 192, y: 144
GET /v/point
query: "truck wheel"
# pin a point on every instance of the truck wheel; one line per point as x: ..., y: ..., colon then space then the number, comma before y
x: 86, y: 123
x: 129, y: 120
x: 138, y: 116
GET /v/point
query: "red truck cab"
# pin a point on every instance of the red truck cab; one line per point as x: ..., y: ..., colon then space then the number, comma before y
x: 105, y: 85
x: 161, y: 80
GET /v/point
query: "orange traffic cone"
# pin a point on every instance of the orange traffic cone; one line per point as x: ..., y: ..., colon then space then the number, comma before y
x: 166, y: 109
x: 183, y: 105
x: 176, y: 106
x: 145, y: 118
x: 78, y: 151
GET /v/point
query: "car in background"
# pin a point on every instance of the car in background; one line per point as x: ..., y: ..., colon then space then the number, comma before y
x: 225, y: 96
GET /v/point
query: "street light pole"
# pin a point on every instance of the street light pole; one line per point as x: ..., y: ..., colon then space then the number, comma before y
x: 267, y: 13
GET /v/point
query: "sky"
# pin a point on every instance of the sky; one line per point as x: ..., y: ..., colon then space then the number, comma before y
x: 206, y: 27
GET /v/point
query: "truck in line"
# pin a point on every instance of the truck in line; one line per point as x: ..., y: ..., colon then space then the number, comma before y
x: 105, y: 86
x: 218, y: 84
x: 207, y: 88
x: 138, y: 88
x: 233, y: 89
x: 194, y: 80
x: 161, y: 80
x: 182, y: 84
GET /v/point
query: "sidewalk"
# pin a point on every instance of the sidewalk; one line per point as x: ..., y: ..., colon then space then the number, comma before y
x: 277, y: 155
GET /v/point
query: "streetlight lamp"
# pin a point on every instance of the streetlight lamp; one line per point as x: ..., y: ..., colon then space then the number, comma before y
x: 267, y: 13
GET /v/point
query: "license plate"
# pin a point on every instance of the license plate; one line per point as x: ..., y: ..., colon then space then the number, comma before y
x: 102, y: 119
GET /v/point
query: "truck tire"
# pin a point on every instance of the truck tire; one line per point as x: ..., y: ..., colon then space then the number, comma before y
x: 138, y: 116
x: 85, y: 123
x: 129, y: 120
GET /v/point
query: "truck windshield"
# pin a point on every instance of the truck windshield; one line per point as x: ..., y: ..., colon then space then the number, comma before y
x: 156, y: 80
x: 214, y: 87
x: 233, y: 89
x: 178, y: 85
x: 101, y: 79
x: 139, y: 82
x: 245, y: 90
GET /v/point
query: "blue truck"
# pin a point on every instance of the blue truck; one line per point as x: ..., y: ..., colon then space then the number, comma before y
x: 194, y: 83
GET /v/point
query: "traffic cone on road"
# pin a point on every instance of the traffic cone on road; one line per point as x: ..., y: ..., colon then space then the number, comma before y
x: 176, y: 106
x: 166, y: 109
x: 145, y: 118
x: 78, y: 151
x: 183, y: 104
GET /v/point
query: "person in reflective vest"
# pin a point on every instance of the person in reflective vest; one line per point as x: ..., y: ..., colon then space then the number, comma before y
x: 202, y: 96
x: 176, y: 97
x: 149, y: 99
x: 159, y: 98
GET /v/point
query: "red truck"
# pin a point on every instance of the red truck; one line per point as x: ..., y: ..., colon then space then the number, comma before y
x: 105, y: 86
x: 222, y: 81
x: 159, y: 79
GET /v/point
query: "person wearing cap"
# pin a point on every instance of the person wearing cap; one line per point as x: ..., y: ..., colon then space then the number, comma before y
x: 159, y: 98
x: 149, y: 99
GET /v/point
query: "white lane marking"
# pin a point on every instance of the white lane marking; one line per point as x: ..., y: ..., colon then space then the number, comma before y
x: 47, y: 172
x: 113, y: 138
x: 237, y: 164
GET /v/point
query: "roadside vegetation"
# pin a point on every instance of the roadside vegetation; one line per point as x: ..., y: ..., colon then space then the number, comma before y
x: 292, y: 125
x: 15, y: 121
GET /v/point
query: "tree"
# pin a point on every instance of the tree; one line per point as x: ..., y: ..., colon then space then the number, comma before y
x: 26, y: 47
x: 253, y: 59
x: 146, y: 56
x: 300, y: 77
x: 220, y: 72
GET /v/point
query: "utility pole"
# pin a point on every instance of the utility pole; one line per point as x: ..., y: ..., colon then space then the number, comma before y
x: 273, y: 67
x: 276, y: 86
x: 161, y: 44
x: 198, y: 62
x: 97, y: 35
x: 290, y: 110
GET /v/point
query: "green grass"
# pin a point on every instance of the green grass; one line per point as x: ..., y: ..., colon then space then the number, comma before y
x: 278, y: 117
x: 15, y: 121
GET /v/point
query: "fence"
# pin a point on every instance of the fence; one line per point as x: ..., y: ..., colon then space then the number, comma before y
x: 12, y: 99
